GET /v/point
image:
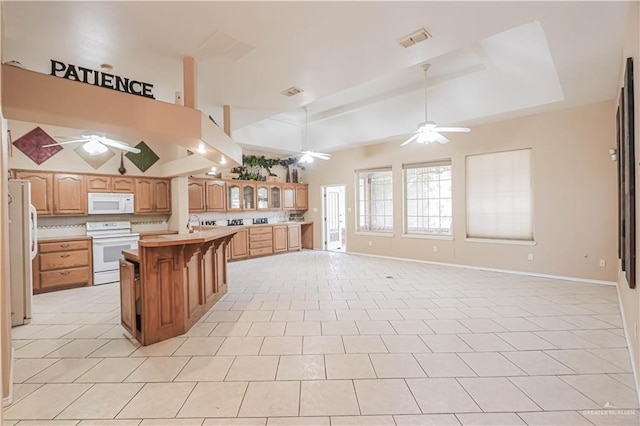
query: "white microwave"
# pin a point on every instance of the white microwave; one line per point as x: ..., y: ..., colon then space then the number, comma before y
x: 110, y: 203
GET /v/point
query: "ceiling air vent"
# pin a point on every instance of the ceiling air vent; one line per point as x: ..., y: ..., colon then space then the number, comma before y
x: 291, y: 91
x: 414, y: 38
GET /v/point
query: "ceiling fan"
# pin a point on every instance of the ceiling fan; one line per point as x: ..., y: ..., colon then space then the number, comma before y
x: 96, y: 145
x: 429, y: 131
x: 307, y: 156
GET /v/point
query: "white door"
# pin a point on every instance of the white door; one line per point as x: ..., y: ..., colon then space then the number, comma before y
x: 335, y: 231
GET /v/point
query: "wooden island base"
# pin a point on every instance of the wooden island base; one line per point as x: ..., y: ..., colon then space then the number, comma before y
x: 170, y: 282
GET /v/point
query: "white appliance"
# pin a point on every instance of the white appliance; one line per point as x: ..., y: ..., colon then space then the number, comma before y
x: 109, y: 239
x: 23, y: 247
x: 110, y: 203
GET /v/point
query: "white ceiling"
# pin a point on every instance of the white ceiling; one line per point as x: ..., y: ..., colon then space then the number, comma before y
x: 490, y: 60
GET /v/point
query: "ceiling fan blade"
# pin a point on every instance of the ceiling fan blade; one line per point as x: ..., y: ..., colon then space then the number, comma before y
x: 453, y: 129
x: 65, y: 142
x: 411, y: 139
x: 120, y: 145
x: 320, y: 155
x: 439, y: 138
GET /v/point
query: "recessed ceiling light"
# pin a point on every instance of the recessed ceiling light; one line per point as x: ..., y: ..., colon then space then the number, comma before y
x: 106, y: 67
x: 291, y: 91
x: 414, y: 38
x: 201, y: 149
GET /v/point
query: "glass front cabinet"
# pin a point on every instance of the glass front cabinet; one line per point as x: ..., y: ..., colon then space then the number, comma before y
x: 248, y: 196
x: 233, y: 200
x: 275, y: 200
x: 262, y: 192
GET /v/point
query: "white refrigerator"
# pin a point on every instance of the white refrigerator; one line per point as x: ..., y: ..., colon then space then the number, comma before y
x: 23, y: 247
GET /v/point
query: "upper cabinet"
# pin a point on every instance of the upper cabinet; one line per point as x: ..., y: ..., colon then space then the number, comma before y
x: 196, y: 196
x: 275, y: 197
x: 69, y: 195
x: 152, y: 195
x: 41, y: 190
x: 248, y: 196
x: 295, y: 196
x: 100, y: 183
x: 302, y: 197
x: 215, y: 196
x: 233, y: 197
x: 288, y: 196
x: 262, y: 194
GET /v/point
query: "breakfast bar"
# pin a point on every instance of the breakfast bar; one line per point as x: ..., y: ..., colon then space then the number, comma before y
x: 171, y: 281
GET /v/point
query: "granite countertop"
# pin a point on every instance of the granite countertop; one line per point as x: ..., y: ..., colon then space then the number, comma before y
x: 70, y: 238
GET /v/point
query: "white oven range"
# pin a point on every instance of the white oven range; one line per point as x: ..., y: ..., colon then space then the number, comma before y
x: 109, y: 239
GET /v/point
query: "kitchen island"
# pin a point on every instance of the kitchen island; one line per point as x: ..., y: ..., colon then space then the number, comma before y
x: 171, y: 281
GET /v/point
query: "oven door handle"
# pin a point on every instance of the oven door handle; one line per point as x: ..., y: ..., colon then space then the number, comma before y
x: 114, y: 240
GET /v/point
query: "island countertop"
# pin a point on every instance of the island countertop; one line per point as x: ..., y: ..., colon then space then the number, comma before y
x: 197, y: 237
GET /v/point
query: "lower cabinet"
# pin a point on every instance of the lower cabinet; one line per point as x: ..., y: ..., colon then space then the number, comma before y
x: 280, y: 238
x: 260, y: 241
x: 239, y: 247
x: 293, y: 241
x: 62, y: 263
x: 129, y: 296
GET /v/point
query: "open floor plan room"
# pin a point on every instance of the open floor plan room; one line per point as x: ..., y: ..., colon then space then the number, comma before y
x: 320, y: 338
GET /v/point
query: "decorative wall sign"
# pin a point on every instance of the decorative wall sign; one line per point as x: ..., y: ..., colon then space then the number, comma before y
x: 145, y: 159
x: 101, y: 79
x: 31, y: 144
x: 95, y: 161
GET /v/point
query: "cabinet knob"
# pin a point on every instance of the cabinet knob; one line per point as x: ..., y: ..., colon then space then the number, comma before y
x: 65, y: 255
x: 65, y: 272
x: 64, y: 245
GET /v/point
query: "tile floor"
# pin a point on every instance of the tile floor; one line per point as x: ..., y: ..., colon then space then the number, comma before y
x: 315, y: 338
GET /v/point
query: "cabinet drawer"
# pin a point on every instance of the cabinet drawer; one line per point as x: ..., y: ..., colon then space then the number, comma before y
x: 65, y: 277
x: 64, y: 246
x: 260, y: 237
x: 260, y: 244
x: 260, y: 251
x: 260, y: 230
x: 64, y: 259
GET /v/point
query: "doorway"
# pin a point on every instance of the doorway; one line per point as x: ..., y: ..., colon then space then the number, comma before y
x: 335, y: 230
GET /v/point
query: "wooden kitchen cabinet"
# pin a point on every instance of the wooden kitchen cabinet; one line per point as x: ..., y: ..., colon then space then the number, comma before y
x: 62, y: 263
x: 260, y: 241
x: 275, y: 197
x: 105, y: 183
x: 248, y: 196
x: 262, y: 197
x: 280, y: 237
x: 234, y: 202
x: 239, y: 246
x: 293, y: 240
x: 69, y: 195
x: 288, y: 197
x: 152, y: 195
x: 41, y: 190
x: 215, y: 191
x: 129, y: 293
x: 196, y: 196
x: 302, y: 197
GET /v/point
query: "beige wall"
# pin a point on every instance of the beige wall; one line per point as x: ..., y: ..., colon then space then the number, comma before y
x: 574, y: 194
x: 630, y: 299
x: 5, y: 310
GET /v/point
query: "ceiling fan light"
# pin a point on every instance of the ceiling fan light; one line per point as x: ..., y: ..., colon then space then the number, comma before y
x: 94, y: 147
x: 306, y: 158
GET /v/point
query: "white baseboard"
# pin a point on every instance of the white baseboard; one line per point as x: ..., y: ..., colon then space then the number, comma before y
x: 634, y: 367
x: 482, y: 268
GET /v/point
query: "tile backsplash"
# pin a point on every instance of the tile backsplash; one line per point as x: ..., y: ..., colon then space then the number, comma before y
x: 221, y: 219
x: 54, y: 227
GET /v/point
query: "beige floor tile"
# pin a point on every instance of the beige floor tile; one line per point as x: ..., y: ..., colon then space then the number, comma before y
x: 384, y: 314
x: 158, y: 369
x: 452, y: 398
x: 447, y: 313
x: 25, y: 368
x: 255, y: 316
x: 110, y: 370
x: 21, y: 390
x: 602, y: 338
x: 326, y: 398
x: 364, y: 344
x: 157, y: 400
x: 172, y: 422
x: 427, y: 420
x: 385, y: 396
x: 223, y: 316
x: 320, y: 315
x: 298, y: 421
x: 322, y: 345
x: 491, y: 364
x: 446, y: 326
x: 301, y: 367
x: 199, y: 346
x: 392, y: 366
x: 352, y: 314
x: 271, y: 399
x: 446, y: 343
x: 362, y: 421
x: 102, y: 401
x: 40, y: 348
x: 257, y: 421
x: 537, y: 363
x: 214, y: 400
x: 236, y: 329
x: 552, y: 394
x: 494, y: 419
x: 303, y: 328
x: 293, y: 316
x: 616, y: 356
x: 66, y: 370
x: 339, y: 328
x: 525, y: 341
x: 46, y: 402
x: 349, y: 366
x: 241, y: 346
x: 565, y: 340
x: 497, y: 394
x: 116, y: 348
x: 44, y: 422
x: 485, y: 342
x: 555, y: 418
x: 375, y: 327
x: 164, y: 348
x: 267, y: 329
x: 583, y: 362
x: 286, y: 345
x: 410, y: 327
x: 517, y: 324
x: 624, y: 378
x: 117, y: 422
x: 205, y: 369
x: 78, y: 348
x: 603, y: 390
x: 444, y: 365
x: 253, y: 368
x: 201, y: 329
x: 404, y: 344
x: 17, y: 344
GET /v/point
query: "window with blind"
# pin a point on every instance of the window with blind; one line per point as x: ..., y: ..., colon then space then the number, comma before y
x: 500, y: 196
x: 428, y: 208
x: 375, y: 200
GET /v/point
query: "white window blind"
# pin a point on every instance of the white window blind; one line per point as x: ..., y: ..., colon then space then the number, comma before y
x: 375, y: 200
x: 428, y: 198
x: 499, y: 195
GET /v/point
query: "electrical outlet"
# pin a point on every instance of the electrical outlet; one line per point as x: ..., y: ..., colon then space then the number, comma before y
x: 530, y: 256
x: 603, y: 263
x: 370, y: 243
x: 435, y: 248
